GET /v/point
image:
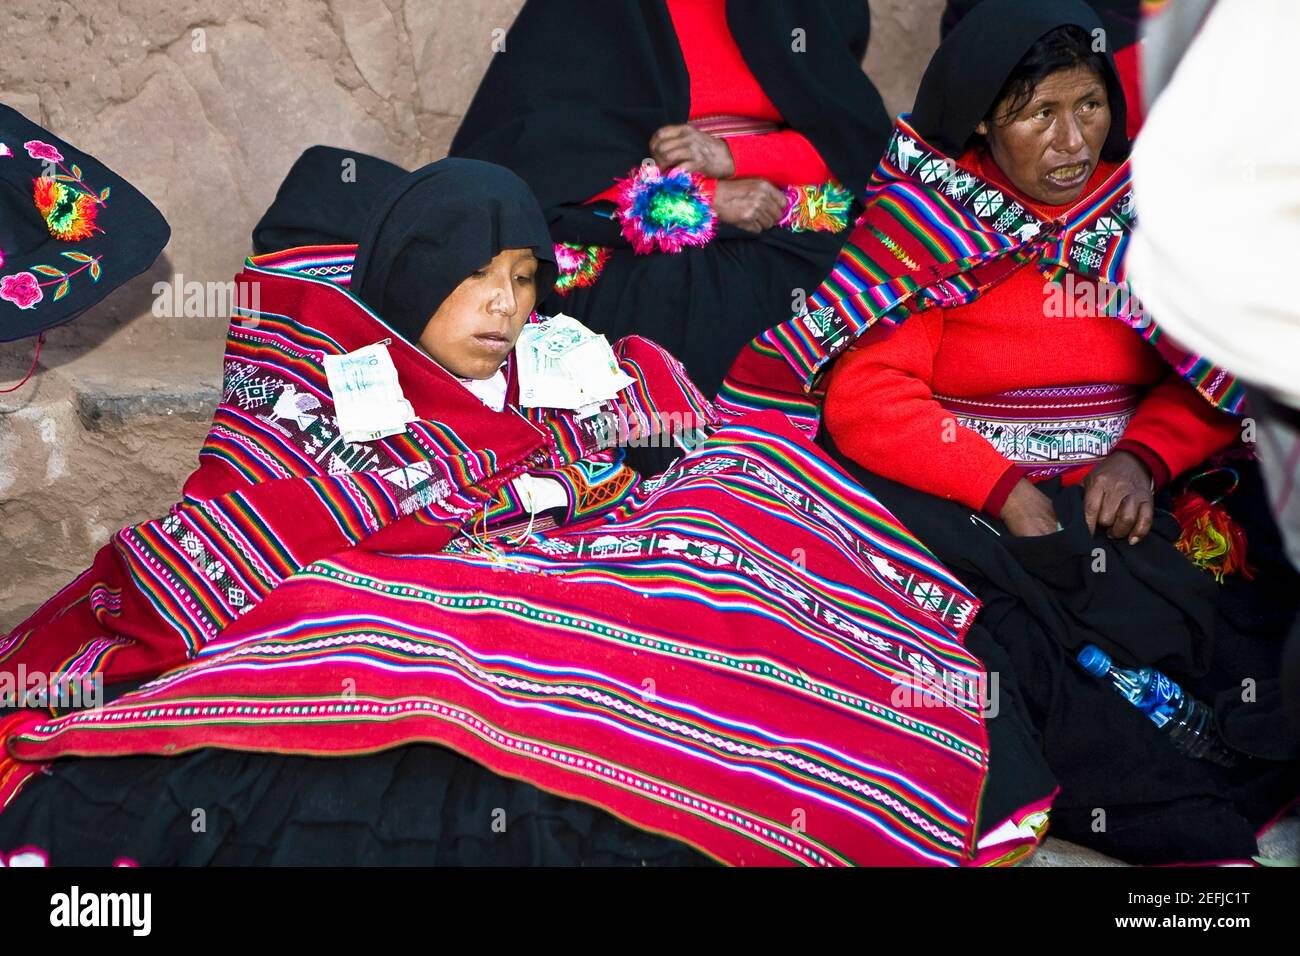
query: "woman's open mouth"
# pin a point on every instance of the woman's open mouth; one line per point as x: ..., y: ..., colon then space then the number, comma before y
x: 494, y: 342
x: 1068, y: 177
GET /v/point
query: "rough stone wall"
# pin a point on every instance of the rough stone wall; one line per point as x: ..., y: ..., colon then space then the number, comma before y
x: 204, y: 105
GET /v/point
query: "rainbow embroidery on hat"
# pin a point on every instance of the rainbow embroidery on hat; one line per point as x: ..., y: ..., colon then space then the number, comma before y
x: 70, y: 208
x: 69, y: 213
x: 67, y: 204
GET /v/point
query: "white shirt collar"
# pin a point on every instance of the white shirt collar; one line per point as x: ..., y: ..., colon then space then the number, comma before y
x: 490, y: 391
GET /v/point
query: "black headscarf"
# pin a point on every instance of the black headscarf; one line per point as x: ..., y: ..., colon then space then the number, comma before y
x: 433, y: 228
x: 967, y: 72
x: 581, y: 87
x: 324, y: 199
x: 1123, y: 19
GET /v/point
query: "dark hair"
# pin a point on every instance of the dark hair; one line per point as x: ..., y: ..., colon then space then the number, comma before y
x: 1059, y: 49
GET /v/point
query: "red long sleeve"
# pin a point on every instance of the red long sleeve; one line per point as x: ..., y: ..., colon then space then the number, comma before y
x: 881, y: 411
x: 881, y: 408
x: 784, y: 158
x: 1174, y: 429
x: 723, y: 85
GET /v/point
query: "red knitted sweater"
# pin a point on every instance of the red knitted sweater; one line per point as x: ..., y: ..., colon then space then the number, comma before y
x: 881, y: 410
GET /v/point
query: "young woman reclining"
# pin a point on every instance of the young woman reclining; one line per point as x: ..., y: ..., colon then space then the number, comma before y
x: 744, y: 658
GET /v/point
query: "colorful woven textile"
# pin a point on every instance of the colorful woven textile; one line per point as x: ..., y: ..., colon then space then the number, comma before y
x: 936, y: 235
x: 747, y: 653
x: 278, y: 487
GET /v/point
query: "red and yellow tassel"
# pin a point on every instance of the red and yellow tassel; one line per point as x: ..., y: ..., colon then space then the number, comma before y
x: 1211, y: 539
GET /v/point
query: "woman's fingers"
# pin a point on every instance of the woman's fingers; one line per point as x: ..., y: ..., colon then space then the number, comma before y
x: 1092, y: 498
x: 752, y: 204
x: 1113, y: 498
x: 674, y: 145
x: 1126, y: 516
x: 1122, y: 509
x: 1146, y: 517
x: 678, y: 156
x: 670, y: 151
x: 773, y: 204
x: 685, y: 147
x: 666, y: 134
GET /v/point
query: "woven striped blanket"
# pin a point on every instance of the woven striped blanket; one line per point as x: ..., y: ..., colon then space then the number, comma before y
x: 936, y: 235
x: 747, y: 653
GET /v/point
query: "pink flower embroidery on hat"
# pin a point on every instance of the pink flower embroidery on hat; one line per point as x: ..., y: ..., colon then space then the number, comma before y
x: 5, y: 150
x: 22, y: 289
x: 38, y: 150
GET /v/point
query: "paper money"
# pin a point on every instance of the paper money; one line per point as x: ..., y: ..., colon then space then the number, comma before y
x: 563, y: 364
x: 368, y: 398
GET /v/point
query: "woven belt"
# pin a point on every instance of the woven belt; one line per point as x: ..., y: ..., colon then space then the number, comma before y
x: 1049, y: 430
x: 724, y: 126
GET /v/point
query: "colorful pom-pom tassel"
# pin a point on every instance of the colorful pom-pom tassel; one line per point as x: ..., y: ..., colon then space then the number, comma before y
x: 665, y: 212
x: 819, y: 208
x: 579, y: 265
x: 1210, y: 538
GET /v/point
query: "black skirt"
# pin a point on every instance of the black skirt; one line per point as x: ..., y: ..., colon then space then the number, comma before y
x: 418, y: 805
x: 1123, y: 788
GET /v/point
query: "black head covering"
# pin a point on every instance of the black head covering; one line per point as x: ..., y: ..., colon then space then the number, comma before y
x: 50, y: 272
x: 1123, y: 19
x: 572, y: 103
x: 431, y: 229
x: 967, y: 72
x: 322, y: 201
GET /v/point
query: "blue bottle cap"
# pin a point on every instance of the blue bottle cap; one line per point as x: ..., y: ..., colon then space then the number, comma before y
x: 1094, y: 660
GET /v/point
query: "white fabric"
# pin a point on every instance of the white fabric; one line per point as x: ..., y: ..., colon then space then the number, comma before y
x: 537, y: 494
x: 1216, y: 174
x: 541, y: 494
x: 490, y: 391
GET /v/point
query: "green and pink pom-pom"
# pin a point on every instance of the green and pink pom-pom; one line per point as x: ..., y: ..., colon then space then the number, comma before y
x: 579, y: 265
x: 665, y: 211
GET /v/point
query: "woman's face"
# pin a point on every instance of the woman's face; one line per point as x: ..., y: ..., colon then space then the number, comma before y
x: 476, y: 327
x: 1050, y: 148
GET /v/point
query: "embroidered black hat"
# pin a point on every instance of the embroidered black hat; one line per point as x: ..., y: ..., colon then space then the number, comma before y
x: 71, y: 229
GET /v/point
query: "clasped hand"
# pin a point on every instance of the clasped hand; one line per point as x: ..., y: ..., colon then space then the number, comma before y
x: 750, y: 203
x: 1117, y: 496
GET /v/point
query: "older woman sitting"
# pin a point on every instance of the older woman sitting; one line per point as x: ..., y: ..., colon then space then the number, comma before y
x: 998, y: 389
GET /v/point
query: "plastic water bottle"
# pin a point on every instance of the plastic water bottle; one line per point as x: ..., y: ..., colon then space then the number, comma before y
x: 1187, y: 722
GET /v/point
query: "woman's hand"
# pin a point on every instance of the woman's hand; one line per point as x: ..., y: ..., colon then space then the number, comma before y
x: 1028, y: 513
x: 752, y: 204
x: 685, y: 147
x: 1117, y: 495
